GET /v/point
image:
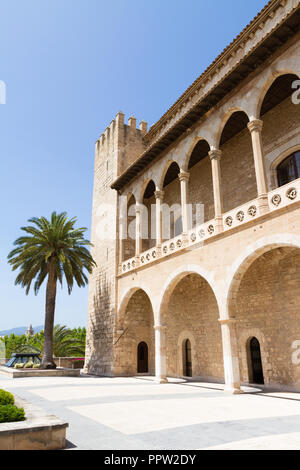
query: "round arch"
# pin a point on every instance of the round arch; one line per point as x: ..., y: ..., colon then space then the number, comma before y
x: 144, y: 188
x: 126, y: 298
x: 164, y: 172
x: 192, y: 147
x: 175, y: 278
x: 272, y: 77
x: 242, y: 264
x: 224, y: 120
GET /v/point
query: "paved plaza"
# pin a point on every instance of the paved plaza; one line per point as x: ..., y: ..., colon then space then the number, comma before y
x: 137, y: 413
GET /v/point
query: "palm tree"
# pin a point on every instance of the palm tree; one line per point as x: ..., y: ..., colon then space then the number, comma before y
x: 65, y: 343
x: 51, y: 249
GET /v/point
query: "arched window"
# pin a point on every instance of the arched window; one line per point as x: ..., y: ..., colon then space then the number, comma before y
x: 256, y: 375
x: 142, y: 358
x: 187, y: 358
x: 289, y: 169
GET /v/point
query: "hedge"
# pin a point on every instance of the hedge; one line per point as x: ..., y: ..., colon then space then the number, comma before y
x: 11, y: 413
x: 6, y: 398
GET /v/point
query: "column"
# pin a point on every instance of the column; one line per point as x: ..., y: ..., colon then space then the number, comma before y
x: 159, y: 197
x: 184, y: 179
x: 230, y: 356
x: 215, y: 158
x: 160, y: 354
x: 121, y: 242
x: 255, y: 128
x: 138, y: 230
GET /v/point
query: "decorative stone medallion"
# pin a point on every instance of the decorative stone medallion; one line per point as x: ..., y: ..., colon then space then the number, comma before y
x: 165, y: 249
x: 240, y: 216
x: 153, y: 254
x: 193, y: 237
x: 143, y: 259
x: 252, y: 211
x: 133, y: 264
x: 291, y: 193
x: 276, y: 199
x: 172, y: 246
x: 148, y: 256
x: 201, y: 233
x: 229, y: 221
x: 179, y: 243
x: 211, y: 229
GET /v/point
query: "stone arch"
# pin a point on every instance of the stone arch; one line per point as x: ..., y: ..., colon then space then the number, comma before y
x: 199, y: 168
x: 147, y: 198
x: 194, y: 143
x: 265, y: 87
x: 225, y: 119
x: 242, y: 264
x: 144, y: 188
x: 127, y: 296
x: 263, y: 300
x: 189, y: 305
x: 237, y: 162
x: 128, y: 229
x: 171, y: 209
x: 175, y: 278
x: 133, y: 325
x: 164, y: 172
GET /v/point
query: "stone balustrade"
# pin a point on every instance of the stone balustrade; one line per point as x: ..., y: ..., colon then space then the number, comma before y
x: 277, y: 199
x: 241, y: 215
x: 285, y: 195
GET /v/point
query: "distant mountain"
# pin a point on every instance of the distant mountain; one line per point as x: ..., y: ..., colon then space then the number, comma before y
x: 21, y: 330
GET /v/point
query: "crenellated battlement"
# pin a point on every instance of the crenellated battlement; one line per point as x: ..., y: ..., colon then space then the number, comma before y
x: 118, y: 124
x: 125, y: 140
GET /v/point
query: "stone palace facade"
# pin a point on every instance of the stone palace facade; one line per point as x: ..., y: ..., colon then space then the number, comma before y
x: 215, y: 297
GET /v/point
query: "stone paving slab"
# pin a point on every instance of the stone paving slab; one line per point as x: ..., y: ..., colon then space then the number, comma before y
x: 133, y: 413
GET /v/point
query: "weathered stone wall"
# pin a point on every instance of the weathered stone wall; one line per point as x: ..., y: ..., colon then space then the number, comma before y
x: 131, y: 146
x: 237, y: 171
x: 268, y: 309
x: 115, y: 149
x: 135, y: 326
x: 200, y: 189
x: 192, y: 314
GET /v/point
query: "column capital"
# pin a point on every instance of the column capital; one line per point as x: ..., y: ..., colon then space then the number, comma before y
x: 255, y: 126
x: 183, y: 175
x: 138, y: 208
x: 159, y: 194
x: 215, y: 154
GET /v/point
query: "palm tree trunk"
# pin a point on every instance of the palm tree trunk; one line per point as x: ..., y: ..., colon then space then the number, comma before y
x: 47, y: 362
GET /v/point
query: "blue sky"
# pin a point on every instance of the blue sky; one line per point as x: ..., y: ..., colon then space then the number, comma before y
x: 69, y: 67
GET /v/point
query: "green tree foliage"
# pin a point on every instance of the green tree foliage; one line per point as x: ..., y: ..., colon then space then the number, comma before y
x: 66, y: 342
